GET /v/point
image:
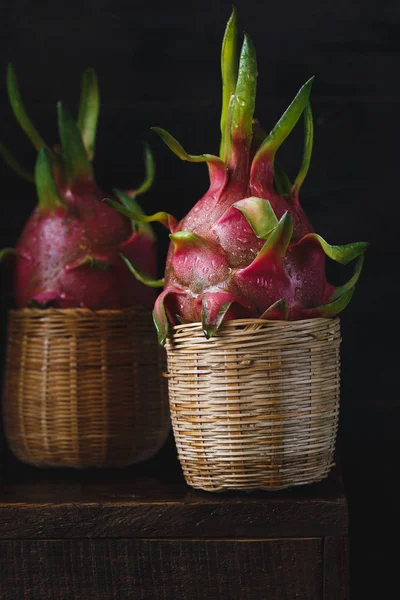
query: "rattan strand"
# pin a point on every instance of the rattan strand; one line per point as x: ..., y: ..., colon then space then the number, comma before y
x: 256, y: 406
x: 84, y: 389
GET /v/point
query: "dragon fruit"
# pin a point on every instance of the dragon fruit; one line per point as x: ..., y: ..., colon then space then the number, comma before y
x: 246, y: 249
x: 73, y: 249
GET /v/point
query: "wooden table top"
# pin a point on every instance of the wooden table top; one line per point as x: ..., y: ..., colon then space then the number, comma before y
x: 152, y: 500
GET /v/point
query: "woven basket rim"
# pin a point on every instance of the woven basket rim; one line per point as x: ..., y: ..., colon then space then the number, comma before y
x: 266, y: 322
x: 77, y: 311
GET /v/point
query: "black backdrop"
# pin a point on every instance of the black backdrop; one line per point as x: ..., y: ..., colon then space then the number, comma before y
x: 158, y: 64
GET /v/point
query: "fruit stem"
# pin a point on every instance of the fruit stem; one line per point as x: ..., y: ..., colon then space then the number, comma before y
x: 150, y: 172
x: 19, y: 111
x: 77, y: 164
x: 242, y: 110
x: 308, y: 145
x: 14, y: 164
x: 89, y: 111
x: 262, y: 169
x: 49, y: 198
x: 229, y: 78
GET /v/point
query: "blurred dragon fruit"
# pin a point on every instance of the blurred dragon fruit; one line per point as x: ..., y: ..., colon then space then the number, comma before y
x: 73, y: 249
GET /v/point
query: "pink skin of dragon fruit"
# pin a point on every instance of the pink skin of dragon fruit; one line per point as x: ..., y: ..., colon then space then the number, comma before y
x: 71, y: 257
x: 246, y: 249
x: 75, y: 251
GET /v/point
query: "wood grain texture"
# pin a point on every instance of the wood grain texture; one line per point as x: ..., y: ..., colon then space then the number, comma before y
x: 153, y: 501
x: 161, y: 570
x: 336, y: 568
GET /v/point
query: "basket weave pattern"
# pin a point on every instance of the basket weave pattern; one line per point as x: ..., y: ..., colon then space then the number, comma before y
x: 256, y: 406
x: 84, y: 388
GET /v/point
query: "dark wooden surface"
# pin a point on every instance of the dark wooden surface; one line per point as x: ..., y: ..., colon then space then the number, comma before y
x: 286, y: 569
x: 142, y: 533
x: 336, y: 568
x: 153, y: 501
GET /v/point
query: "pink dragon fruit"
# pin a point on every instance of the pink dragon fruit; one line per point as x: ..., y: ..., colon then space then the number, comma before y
x: 73, y: 249
x: 247, y: 249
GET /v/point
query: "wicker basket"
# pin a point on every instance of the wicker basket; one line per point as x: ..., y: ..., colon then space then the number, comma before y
x: 83, y: 388
x: 256, y: 406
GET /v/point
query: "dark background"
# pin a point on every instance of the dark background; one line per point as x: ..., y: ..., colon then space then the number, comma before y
x: 158, y: 64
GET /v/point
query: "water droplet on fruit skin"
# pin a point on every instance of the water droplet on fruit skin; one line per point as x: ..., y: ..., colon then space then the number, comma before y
x: 261, y: 282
